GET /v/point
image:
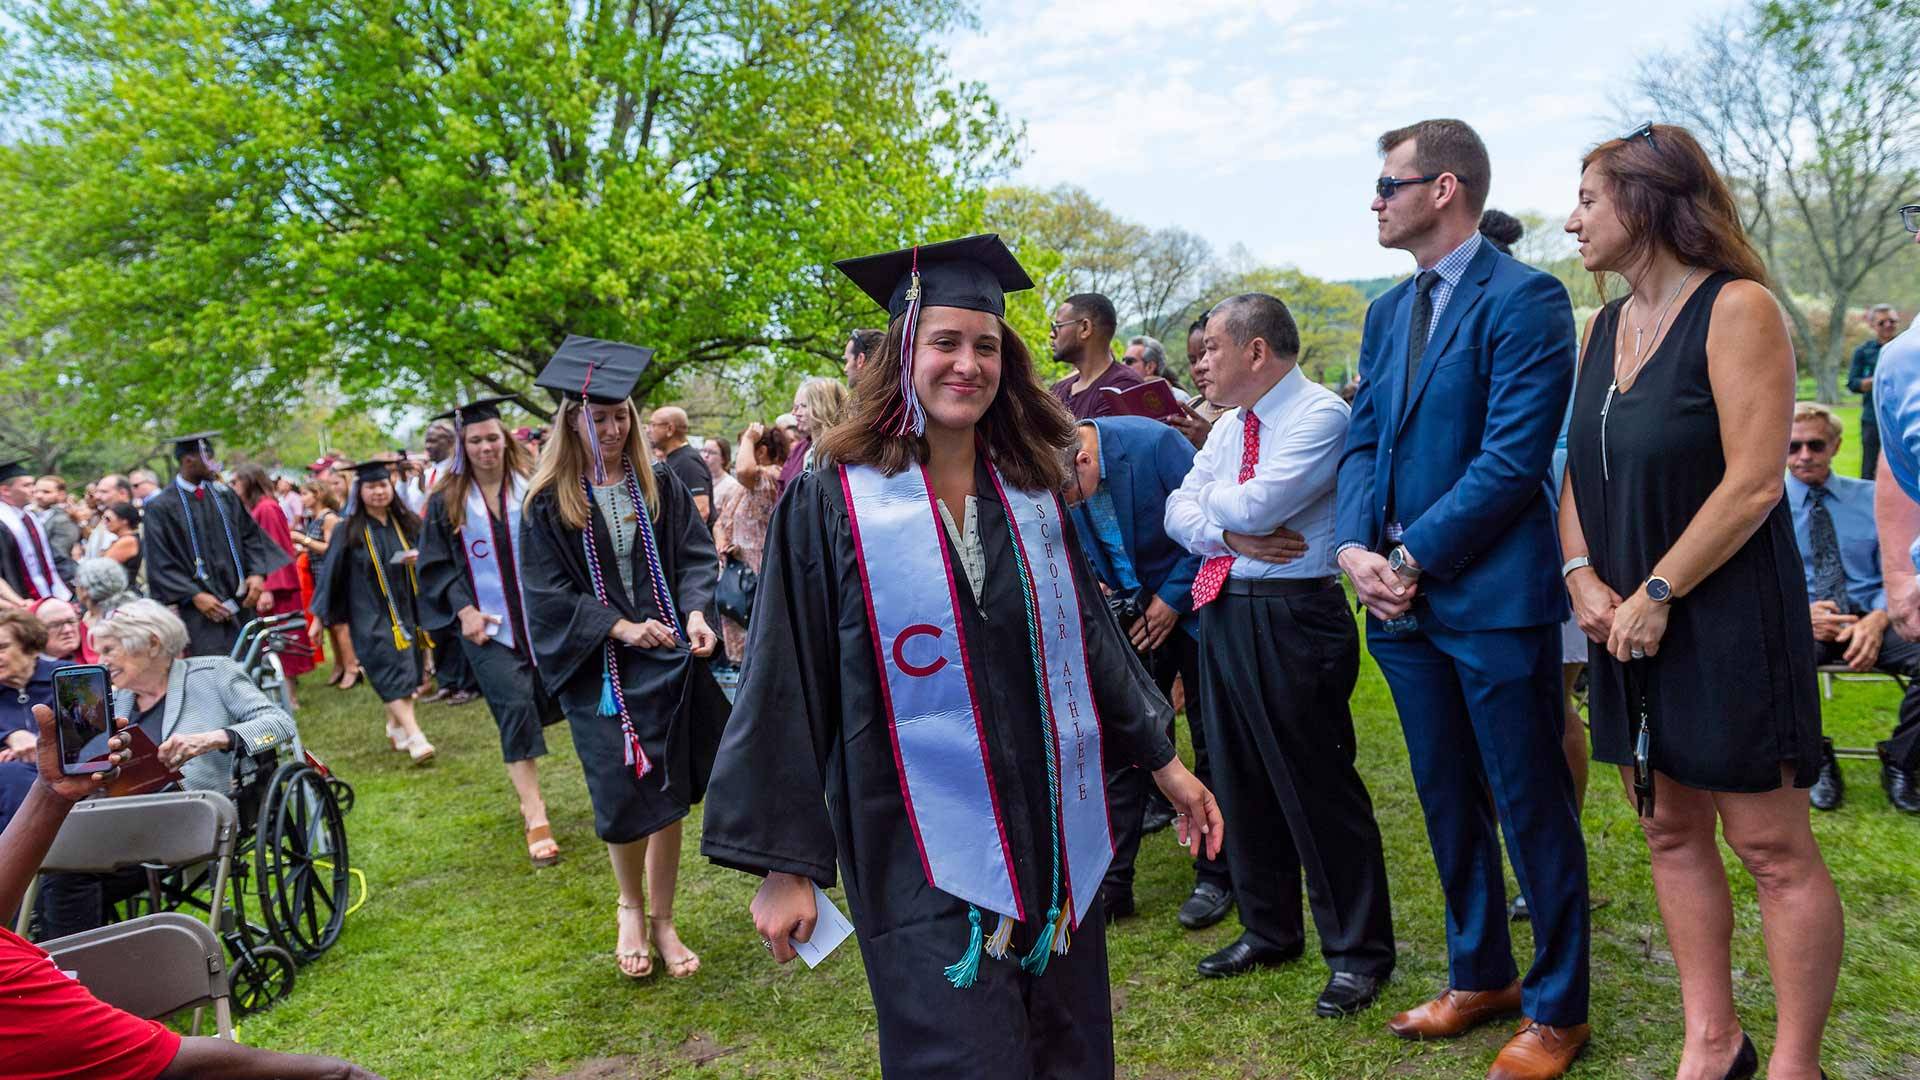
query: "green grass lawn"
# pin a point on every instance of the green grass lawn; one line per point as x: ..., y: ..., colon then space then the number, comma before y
x: 466, y: 962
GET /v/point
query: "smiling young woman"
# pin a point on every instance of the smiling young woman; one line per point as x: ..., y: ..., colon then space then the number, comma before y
x: 931, y: 655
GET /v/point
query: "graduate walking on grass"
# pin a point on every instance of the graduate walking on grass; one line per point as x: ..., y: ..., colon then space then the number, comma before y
x: 470, y: 582
x: 368, y: 582
x: 932, y: 688
x: 617, y: 568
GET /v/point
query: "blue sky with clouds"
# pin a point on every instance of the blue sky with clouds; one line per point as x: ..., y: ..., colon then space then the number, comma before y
x: 1253, y: 121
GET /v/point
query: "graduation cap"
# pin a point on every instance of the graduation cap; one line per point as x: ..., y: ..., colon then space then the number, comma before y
x: 12, y: 469
x: 975, y: 273
x: 473, y: 412
x: 598, y: 372
x: 366, y: 472
x: 200, y: 442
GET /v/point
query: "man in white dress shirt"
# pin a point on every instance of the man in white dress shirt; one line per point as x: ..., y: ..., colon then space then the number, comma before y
x: 1279, y: 656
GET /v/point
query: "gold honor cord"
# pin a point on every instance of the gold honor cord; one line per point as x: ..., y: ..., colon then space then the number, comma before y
x: 400, y: 641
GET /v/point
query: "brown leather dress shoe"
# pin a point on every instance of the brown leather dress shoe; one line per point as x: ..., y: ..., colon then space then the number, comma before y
x: 1539, y: 1052
x: 1455, y: 1012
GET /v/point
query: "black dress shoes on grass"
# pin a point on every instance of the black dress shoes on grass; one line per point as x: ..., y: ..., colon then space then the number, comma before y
x: 1205, y: 906
x: 1828, y: 788
x: 1245, y: 954
x: 1347, y: 993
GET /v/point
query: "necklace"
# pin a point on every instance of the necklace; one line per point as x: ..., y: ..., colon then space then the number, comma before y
x: 1640, y: 361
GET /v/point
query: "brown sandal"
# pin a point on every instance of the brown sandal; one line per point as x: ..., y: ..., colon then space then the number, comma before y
x: 685, y: 965
x: 642, y: 954
x: 539, y: 836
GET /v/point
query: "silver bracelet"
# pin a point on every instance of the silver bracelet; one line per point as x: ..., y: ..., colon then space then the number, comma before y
x: 1575, y: 563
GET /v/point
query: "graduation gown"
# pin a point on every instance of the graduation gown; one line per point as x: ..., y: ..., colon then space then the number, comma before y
x: 508, y: 679
x: 13, y: 566
x: 346, y: 590
x: 806, y: 783
x: 678, y: 710
x: 169, y: 553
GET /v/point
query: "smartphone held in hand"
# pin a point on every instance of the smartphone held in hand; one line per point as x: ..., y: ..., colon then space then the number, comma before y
x: 83, y: 718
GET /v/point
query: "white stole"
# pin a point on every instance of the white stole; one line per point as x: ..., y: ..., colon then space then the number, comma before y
x: 483, y: 561
x: 939, y: 741
x: 46, y: 580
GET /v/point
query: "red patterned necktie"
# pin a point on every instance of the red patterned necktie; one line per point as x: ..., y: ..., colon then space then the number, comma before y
x: 1213, y: 573
x: 39, y: 553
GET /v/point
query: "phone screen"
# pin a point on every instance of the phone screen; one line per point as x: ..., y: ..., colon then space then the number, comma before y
x: 82, y: 706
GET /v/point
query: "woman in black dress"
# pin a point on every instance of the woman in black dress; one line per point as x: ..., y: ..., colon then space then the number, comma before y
x: 1683, y: 571
x: 368, y: 583
x: 616, y: 568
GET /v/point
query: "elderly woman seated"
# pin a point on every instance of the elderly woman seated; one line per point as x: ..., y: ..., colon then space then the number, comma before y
x: 199, y: 710
x: 26, y: 680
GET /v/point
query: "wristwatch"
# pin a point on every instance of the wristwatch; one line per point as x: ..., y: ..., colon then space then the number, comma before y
x: 1400, y: 563
x: 1659, y: 589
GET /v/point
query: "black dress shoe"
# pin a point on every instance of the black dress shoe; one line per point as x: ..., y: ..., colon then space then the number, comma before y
x: 1206, y: 905
x: 1158, y: 816
x: 1746, y: 1063
x: 1828, y: 787
x: 1245, y: 954
x: 1347, y: 993
x: 1117, y: 905
x: 1517, y: 911
x: 1901, y: 785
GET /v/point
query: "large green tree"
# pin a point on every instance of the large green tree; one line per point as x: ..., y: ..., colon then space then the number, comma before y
x: 218, y: 200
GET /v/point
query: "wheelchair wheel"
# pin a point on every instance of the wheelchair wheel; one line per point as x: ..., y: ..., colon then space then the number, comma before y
x: 300, y: 853
x: 342, y: 794
x: 260, y: 977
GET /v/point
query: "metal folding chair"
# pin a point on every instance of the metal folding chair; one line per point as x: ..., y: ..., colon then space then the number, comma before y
x: 1829, y: 674
x: 154, y: 967
x: 170, y: 830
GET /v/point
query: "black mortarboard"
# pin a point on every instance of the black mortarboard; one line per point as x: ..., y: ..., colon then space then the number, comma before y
x: 975, y: 273
x: 371, y: 471
x: 200, y: 442
x: 604, y: 371
x: 12, y: 469
x: 473, y: 412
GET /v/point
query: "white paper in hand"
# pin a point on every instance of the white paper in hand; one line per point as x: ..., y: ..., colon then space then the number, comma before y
x: 830, y: 928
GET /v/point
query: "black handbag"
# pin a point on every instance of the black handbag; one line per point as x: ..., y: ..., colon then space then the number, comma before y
x: 734, y: 596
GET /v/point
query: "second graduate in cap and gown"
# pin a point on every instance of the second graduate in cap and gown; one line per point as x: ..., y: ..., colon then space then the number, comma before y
x: 932, y: 687
x: 205, y: 554
x: 368, y: 581
x: 27, y: 563
x: 470, y: 583
x: 617, y: 567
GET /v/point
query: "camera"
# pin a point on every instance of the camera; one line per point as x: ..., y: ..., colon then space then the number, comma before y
x: 1126, y: 610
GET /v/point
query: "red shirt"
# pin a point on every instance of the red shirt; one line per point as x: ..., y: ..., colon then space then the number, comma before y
x: 51, y: 1028
x: 1090, y: 403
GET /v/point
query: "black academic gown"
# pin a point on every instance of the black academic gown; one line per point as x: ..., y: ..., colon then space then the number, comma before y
x: 809, y: 722
x: 677, y: 708
x: 13, y: 566
x: 171, y: 575
x: 346, y: 590
x: 508, y: 679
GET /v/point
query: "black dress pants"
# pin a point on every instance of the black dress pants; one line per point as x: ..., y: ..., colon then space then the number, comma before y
x: 1278, y: 661
x: 1901, y: 657
x: 1130, y: 791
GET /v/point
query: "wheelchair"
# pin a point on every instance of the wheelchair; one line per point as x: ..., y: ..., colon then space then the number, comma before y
x: 290, y: 856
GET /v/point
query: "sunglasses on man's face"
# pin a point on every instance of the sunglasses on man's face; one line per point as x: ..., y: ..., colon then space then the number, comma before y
x: 1386, y: 186
x: 1818, y: 446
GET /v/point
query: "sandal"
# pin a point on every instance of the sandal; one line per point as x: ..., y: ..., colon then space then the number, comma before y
x: 396, y: 736
x: 348, y: 681
x: 685, y: 965
x: 539, y: 837
x: 338, y: 674
x: 621, y: 956
x: 420, y: 750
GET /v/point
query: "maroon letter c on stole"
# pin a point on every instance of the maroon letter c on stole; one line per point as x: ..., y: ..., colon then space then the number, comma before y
x: 481, y: 549
x: 900, y: 660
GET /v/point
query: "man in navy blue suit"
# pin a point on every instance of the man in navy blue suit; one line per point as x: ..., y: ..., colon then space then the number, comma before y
x: 1445, y: 531
x: 1122, y: 469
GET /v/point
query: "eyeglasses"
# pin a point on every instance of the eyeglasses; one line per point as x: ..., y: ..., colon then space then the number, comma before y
x: 1910, y: 217
x: 63, y: 624
x: 1645, y: 129
x: 1068, y: 322
x: 1818, y: 446
x: 1386, y: 186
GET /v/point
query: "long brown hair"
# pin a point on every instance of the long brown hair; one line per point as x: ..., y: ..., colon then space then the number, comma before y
x: 517, y: 460
x: 1024, y: 427
x: 1667, y: 193
x: 564, y: 460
